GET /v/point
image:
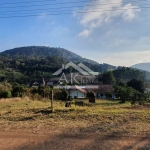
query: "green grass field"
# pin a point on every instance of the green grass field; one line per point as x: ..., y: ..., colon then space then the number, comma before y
x: 107, y: 116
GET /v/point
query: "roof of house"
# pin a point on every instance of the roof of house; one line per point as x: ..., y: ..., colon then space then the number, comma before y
x: 102, y: 88
x: 49, y: 83
x: 78, y: 88
x: 35, y: 83
x: 94, y: 88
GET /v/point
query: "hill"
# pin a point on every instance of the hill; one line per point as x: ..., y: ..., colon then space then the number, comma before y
x: 142, y: 66
x: 26, y: 64
x: 43, y: 51
x: 126, y: 74
x: 32, y: 52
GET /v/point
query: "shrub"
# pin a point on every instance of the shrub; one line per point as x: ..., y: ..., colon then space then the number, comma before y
x: 6, y: 94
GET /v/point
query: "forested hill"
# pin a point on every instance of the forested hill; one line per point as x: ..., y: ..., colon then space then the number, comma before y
x: 126, y: 74
x: 34, y: 52
x: 26, y: 64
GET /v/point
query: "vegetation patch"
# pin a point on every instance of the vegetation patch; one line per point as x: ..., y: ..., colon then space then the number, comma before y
x: 98, y: 117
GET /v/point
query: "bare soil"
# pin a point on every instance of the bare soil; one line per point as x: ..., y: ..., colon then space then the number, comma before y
x: 59, y: 140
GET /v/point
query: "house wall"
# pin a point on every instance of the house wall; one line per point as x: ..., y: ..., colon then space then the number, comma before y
x: 77, y: 93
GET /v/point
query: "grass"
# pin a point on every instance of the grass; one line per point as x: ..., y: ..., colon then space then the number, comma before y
x: 103, y: 116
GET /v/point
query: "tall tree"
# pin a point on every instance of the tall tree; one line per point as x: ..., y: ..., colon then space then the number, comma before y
x: 137, y: 84
x: 108, y: 78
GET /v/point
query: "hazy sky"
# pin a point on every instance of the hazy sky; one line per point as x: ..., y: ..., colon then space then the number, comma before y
x: 111, y: 31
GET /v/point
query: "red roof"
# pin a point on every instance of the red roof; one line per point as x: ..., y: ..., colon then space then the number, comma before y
x: 78, y: 88
x: 102, y: 88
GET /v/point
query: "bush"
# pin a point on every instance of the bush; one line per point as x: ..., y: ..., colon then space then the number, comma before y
x: 36, y: 97
x: 7, y: 94
x: 5, y: 90
x: 17, y: 91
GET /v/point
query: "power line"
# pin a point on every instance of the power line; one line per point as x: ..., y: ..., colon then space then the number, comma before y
x: 67, y: 13
x: 84, y: 9
x: 57, y: 8
x: 49, y: 4
x: 25, y: 2
x: 41, y: 1
x: 63, y: 3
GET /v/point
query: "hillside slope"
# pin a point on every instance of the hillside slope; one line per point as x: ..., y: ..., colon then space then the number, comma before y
x: 26, y: 64
x: 142, y: 66
x: 43, y: 51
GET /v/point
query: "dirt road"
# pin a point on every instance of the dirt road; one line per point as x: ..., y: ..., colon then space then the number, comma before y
x: 23, y: 140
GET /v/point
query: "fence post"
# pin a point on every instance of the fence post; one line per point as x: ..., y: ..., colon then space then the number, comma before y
x: 52, y: 107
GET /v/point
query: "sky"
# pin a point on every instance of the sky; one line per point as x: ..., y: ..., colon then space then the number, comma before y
x: 116, y: 32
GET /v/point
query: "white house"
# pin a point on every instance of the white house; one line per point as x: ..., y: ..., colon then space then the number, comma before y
x: 77, y: 92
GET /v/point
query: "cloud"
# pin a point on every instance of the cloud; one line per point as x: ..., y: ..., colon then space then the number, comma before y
x: 85, y: 33
x: 129, y: 14
x: 42, y: 16
x: 98, y: 13
x: 124, y: 58
x: 59, y: 31
x: 145, y: 40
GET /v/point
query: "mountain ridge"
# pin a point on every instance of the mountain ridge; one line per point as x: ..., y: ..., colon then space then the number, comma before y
x: 142, y: 66
x: 44, y: 51
x: 30, y: 52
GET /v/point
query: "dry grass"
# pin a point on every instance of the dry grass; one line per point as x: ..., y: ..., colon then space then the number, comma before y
x: 105, y: 116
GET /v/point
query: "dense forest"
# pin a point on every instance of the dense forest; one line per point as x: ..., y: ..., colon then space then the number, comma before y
x: 28, y: 64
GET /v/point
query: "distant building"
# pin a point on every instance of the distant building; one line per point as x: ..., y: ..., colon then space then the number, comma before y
x: 44, y: 83
x: 50, y: 83
x: 77, y: 92
x: 35, y: 84
x: 100, y: 91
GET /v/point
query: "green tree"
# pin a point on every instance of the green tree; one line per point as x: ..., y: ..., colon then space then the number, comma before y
x: 44, y: 91
x: 137, y: 84
x: 108, y: 78
x: 124, y: 92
